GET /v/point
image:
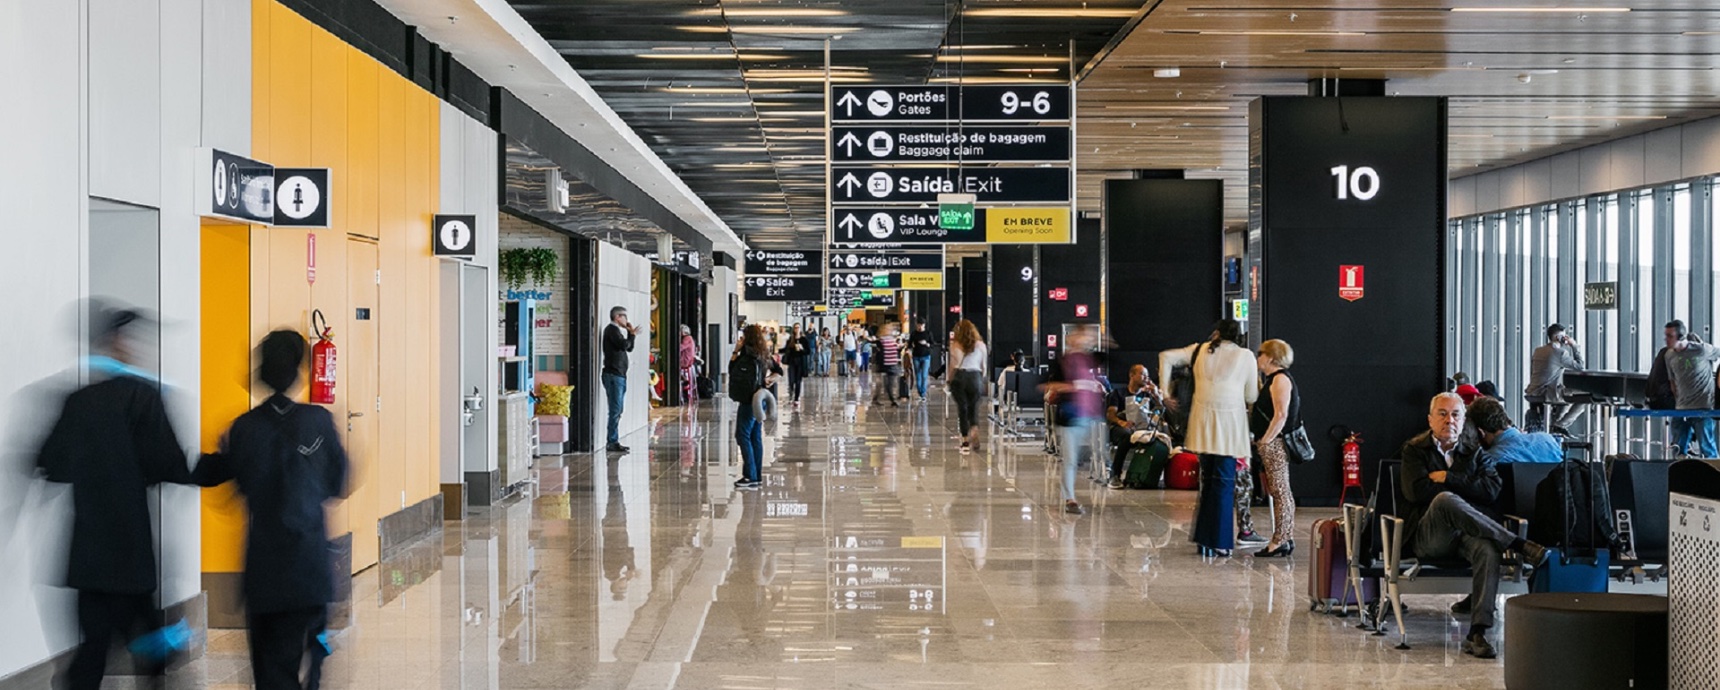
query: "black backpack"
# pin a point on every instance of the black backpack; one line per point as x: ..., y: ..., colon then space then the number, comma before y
x: 1573, y: 509
x: 746, y: 376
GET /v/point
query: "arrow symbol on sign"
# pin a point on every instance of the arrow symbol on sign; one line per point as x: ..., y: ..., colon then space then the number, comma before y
x: 849, y: 223
x: 836, y: 280
x: 849, y: 181
x: 835, y: 260
x: 848, y: 142
x: 848, y: 101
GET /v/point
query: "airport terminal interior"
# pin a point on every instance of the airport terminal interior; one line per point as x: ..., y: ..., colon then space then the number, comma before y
x: 751, y: 344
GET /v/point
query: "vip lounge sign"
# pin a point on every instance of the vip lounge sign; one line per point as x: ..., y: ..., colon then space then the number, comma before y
x: 1350, y: 282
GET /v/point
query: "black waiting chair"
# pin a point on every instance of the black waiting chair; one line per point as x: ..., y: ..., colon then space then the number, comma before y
x: 1640, y: 497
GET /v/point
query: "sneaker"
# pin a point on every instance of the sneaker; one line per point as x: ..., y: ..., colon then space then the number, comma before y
x: 1476, y: 645
x: 1072, y: 508
x: 1460, y: 607
x: 747, y: 484
x: 1115, y: 484
x: 1251, y: 537
x: 618, y: 448
x: 967, y: 448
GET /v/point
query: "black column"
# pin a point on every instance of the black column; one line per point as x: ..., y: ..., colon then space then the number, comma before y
x: 1352, y: 186
x: 582, y: 343
x: 1011, y: 301
x: 1074, y: 268
x: 1166, y: 240
x: 975, y: 292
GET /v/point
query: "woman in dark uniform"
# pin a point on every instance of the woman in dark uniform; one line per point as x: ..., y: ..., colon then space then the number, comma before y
x: 287, y: 460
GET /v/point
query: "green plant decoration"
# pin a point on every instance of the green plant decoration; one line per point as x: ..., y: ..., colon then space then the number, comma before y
x: 538, y: 265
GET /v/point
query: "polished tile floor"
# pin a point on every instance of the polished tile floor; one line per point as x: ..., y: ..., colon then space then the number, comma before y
x: 875, y: 556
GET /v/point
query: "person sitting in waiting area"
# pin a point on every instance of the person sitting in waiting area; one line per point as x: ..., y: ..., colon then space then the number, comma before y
x: 1502, y: 441
x: 1126, y: 412
x: 1547, y: 367
x: 1444, y: 481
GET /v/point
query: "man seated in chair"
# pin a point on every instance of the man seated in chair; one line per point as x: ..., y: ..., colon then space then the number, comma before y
x: 1446, y: 483
x: 1501, y: 440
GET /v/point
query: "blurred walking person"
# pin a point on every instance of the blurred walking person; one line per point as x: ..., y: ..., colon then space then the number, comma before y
x: 111, y: 443
x: 288, y: 462
x: 968, y: 355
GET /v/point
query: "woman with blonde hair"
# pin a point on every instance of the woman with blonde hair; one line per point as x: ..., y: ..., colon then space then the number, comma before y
x: 1277, y: 412
x: 967, y: 379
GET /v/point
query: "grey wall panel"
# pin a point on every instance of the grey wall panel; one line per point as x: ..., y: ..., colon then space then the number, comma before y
x: 469, y: 166
x: 1487, y: 190
x: 124, y: 100
x: 226, y: 75
x: 1566, y: 176
x: 1627, y: 164
x: 1594, y: 169
x: 1702, y: 147
x: 1537, y: 181
x: 1462, y: 191
x: 1663, y: 155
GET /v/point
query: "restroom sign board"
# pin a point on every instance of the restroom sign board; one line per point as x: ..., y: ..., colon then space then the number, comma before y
x: 301, y: 197
x: 1351, y: 282
x: 455, y: 235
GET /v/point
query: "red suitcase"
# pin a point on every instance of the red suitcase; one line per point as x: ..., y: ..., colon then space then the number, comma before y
x: 1329, y: 567
x: 1184, y: 472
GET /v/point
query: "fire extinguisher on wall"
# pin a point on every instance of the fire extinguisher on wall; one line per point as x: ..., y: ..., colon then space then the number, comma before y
x: 324, y: 361
x: 1350, y: 457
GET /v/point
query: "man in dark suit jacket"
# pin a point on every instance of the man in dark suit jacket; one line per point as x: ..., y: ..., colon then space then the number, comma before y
x: 1448, y: 484
x: 112, y: 442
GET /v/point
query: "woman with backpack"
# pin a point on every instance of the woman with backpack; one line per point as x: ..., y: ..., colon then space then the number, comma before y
x: 751, y: 370
x: 1277, y: 413
x: 1225, y: 384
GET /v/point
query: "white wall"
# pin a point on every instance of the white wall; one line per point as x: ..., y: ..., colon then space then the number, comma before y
x: 765, y: 311
x: 623, y: 279
x: 1664, y: 155
x: 723, y: 282
x: 469, y: 158
x: 111, y: 98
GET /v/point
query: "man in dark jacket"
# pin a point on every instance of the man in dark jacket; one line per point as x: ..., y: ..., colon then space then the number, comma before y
x: 618, y: 339
x: 1447, y: 484
x: 288, y: 461
x: 112, y: 442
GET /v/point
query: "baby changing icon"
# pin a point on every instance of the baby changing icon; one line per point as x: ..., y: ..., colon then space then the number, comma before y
x: 1350, y: 283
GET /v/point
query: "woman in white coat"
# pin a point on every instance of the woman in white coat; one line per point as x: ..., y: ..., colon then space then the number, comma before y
x: 1225, y: 384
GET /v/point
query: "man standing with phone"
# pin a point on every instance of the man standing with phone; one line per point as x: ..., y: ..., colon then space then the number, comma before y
x: 618, y: 339
x: 1547, y: 366
x: 1690, y: 365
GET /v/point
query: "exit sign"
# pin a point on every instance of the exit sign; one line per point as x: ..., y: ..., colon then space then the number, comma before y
x: 1059, y: 294
x: 955, y: 211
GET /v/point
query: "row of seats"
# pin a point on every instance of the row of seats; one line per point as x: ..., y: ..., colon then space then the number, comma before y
x: 1380, y: 552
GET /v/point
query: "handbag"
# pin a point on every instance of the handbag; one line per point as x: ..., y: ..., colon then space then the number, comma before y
x: 1297, y: 447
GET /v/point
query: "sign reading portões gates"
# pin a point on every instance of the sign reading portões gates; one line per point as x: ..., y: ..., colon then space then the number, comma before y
x: 950, y: 144
x: 995, y: 103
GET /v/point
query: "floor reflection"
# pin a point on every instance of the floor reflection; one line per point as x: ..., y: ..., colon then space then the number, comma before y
x: 875, y: 555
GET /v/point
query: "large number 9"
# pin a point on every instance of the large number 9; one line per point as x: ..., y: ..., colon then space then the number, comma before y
x: 1011, y: 102
x: 1351, y: 183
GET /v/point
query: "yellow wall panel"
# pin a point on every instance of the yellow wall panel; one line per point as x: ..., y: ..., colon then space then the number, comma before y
x: 318, y: 102
x: 289, y: 89
x: 226, y: 379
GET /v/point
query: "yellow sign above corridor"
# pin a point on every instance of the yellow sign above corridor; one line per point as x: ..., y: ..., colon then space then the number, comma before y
x: 1027, y: 225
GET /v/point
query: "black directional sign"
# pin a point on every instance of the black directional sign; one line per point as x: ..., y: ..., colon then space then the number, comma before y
x: 847, y: 298
x: 862, y: 260
x: 1008, y: 103
x: 783, y: 289
x: 236, y: 187
x: 454, y: 235
x: 900, y: 225
x: 885, y: 184
x: 949, y: 144
x: 762, y: 262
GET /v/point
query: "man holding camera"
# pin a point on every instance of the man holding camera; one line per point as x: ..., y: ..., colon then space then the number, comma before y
x: 1547, y: 366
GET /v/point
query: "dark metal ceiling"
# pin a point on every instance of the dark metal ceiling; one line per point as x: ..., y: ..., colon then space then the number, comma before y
x: 730, y: 93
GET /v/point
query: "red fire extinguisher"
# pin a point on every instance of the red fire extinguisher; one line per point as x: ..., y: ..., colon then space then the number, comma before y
x: 324, y: 359
x: 1352, y: 464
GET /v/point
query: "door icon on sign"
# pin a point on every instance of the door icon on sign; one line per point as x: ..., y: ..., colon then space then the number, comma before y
x: 881, y: 226
x: 880, y: 144
x: 879, y: 184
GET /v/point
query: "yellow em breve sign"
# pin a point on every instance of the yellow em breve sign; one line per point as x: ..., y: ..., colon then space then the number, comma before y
x: 1027, y: 225
x: 927, y: 280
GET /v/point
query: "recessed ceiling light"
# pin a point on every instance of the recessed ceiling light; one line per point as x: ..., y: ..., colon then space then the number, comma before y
x: 769, y: 12
x: 1606, y: 117
x: 1167, y: 72
x: 770, y: 29
x: 723, y: 90
x: 1269, y: 32
x: 711, y: 56
x: 1051, y: 12
x: 1558, y: 10
x: 1009, y: 59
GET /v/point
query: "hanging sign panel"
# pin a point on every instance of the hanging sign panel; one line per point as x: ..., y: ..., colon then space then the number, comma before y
x: 898, y: 225
x: 883, y: 261
x: 760, y: 262
x: 783, y: 289
x: 949, y: 144
x: 235, y: 187
x: 1001, y: 102
x: 883, y: 185
x: 906, y: 280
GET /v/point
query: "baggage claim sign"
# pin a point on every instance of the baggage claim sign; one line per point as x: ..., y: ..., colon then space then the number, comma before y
x: 894, y: 150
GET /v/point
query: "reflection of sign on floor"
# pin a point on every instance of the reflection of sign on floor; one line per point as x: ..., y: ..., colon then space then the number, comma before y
x: 883, y: 573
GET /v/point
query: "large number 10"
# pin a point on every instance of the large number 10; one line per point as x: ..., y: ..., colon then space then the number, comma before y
x: 1350, y: 184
